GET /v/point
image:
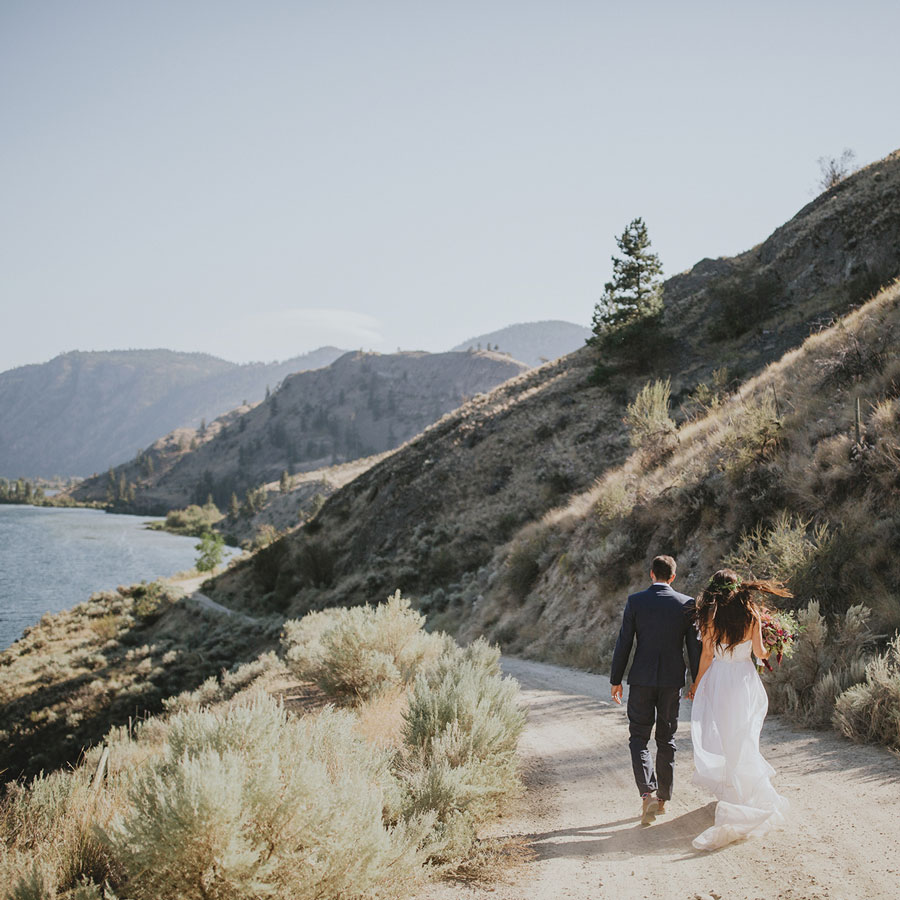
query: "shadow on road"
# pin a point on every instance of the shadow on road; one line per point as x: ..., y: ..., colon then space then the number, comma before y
x: 626, y: 837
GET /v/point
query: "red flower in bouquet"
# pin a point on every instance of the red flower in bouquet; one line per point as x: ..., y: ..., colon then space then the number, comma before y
x: 779, y: 631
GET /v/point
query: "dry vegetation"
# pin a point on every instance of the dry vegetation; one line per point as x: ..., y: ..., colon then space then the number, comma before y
x: 106, y: 662
x: 229, y: 795
x: 773, y: 481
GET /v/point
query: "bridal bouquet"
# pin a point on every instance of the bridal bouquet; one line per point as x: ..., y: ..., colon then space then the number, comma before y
x: 779, y: 631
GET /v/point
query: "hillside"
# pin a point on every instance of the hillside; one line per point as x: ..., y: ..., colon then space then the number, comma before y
x: 362, y: 404
x: 771, y: 479
x: 83, y: 412
x: 532, y: 343
x: 429, y: 518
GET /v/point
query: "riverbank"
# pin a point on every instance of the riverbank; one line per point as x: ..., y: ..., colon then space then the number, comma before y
x: 52, y: 558
x: 108, y: 661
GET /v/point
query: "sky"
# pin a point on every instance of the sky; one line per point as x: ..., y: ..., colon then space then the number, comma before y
x: 258, y: 179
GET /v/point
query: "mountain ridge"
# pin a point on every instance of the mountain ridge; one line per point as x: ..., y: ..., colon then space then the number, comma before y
x: 86, y: 410
x: 362, y: 405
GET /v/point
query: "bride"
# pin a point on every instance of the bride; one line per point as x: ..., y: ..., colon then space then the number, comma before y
x: 730, y: 704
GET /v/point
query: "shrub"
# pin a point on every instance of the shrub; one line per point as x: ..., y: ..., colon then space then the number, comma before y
x: 48, y: 827
x: 870, y: 710
x: 650, y: 427
x: 193, y: 520
x: 825, y: 662
x: 522, y: 567
x: 106, y: 627
x: 354, y: 654
x: 462, y: 726
x: 316, y: 563
x: 784, y: 551
x: 247, y: 803
x: 150, y: 600
x: 750, y: 436
x: 211, y: 549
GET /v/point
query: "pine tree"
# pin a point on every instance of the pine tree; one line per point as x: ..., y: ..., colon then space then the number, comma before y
x: 635, y: 293
x: 285, y: 484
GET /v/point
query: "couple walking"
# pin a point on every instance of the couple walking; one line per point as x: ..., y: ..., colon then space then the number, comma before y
x: 719, y: 632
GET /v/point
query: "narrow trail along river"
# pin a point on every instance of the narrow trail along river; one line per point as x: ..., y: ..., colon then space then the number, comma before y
x: 580, y: 812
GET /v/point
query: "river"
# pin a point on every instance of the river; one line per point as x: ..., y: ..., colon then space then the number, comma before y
x: 52, y: 559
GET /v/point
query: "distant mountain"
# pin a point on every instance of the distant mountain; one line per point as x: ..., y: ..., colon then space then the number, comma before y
x: 360, y: 405
x: 83, y: 412
x: 532, y: 343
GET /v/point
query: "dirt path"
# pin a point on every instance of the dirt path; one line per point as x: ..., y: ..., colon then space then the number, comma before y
x: 191, y: 587
x: 579, y: 813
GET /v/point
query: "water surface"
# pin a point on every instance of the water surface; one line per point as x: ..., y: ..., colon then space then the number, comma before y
x: 51, y: 559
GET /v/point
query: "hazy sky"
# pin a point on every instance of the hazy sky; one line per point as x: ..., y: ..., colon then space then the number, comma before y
x: 255, y: 179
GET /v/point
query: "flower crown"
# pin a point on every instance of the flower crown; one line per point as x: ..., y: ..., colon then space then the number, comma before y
x: 731, y: 585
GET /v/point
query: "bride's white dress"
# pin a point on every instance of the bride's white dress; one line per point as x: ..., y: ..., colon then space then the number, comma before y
x: 726, y: 719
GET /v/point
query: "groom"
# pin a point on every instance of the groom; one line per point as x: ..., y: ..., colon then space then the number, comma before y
x: 662, y: 621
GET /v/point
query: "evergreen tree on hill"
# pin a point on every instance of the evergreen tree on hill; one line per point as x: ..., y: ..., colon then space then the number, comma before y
x: 635, y: 293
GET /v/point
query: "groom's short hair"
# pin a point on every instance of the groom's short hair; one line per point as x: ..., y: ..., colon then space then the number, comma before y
x: 663, y: 567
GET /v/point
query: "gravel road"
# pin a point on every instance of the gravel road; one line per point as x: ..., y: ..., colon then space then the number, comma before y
x: 580, y: 812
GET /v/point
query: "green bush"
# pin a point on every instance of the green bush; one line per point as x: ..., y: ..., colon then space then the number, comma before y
x: 784, y: 551
x: 742, y: 303
x: 523, y: 565
x: 150, y: 600
x: 211, y: 549
x: 193, y: 520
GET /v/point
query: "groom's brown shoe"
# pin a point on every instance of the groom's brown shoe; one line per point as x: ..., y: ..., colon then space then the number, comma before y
x: 650, y: 808
x: 661, y: 808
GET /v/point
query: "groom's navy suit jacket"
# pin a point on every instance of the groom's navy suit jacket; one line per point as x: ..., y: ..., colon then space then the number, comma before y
x: 662, y: 621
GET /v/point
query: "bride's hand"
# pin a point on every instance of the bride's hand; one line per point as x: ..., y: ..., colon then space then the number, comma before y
x: 691, y: 691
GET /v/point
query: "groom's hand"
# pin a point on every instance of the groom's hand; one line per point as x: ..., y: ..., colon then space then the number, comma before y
x: 616, y: 691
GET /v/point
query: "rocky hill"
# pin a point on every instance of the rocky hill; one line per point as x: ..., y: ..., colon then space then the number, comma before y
x: 83, y: 412
x: 362, y: 404
x: 430, y: 518
x: 795, y: 475
x: 532, y: 343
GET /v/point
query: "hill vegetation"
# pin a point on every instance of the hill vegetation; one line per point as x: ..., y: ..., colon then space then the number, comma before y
x: 83, y: 412
x: 362, y: 404
x: 470, y: 518
x: 430, y: 516
x: 250, y: 785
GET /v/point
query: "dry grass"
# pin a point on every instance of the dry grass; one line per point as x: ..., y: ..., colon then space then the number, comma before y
x: 771, y: 479
x: 121, y: 654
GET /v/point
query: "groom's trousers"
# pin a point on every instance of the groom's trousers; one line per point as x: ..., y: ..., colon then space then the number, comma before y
x: 648, y: 706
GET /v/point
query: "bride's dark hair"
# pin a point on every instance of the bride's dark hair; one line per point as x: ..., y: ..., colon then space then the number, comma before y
x: 725, y: 606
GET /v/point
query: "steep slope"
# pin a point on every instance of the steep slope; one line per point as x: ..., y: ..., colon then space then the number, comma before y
x: 362, y: 404
x: 532, y: 343
x: 429, y: 518
x: 83, y: 412
x: 780, y: 480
